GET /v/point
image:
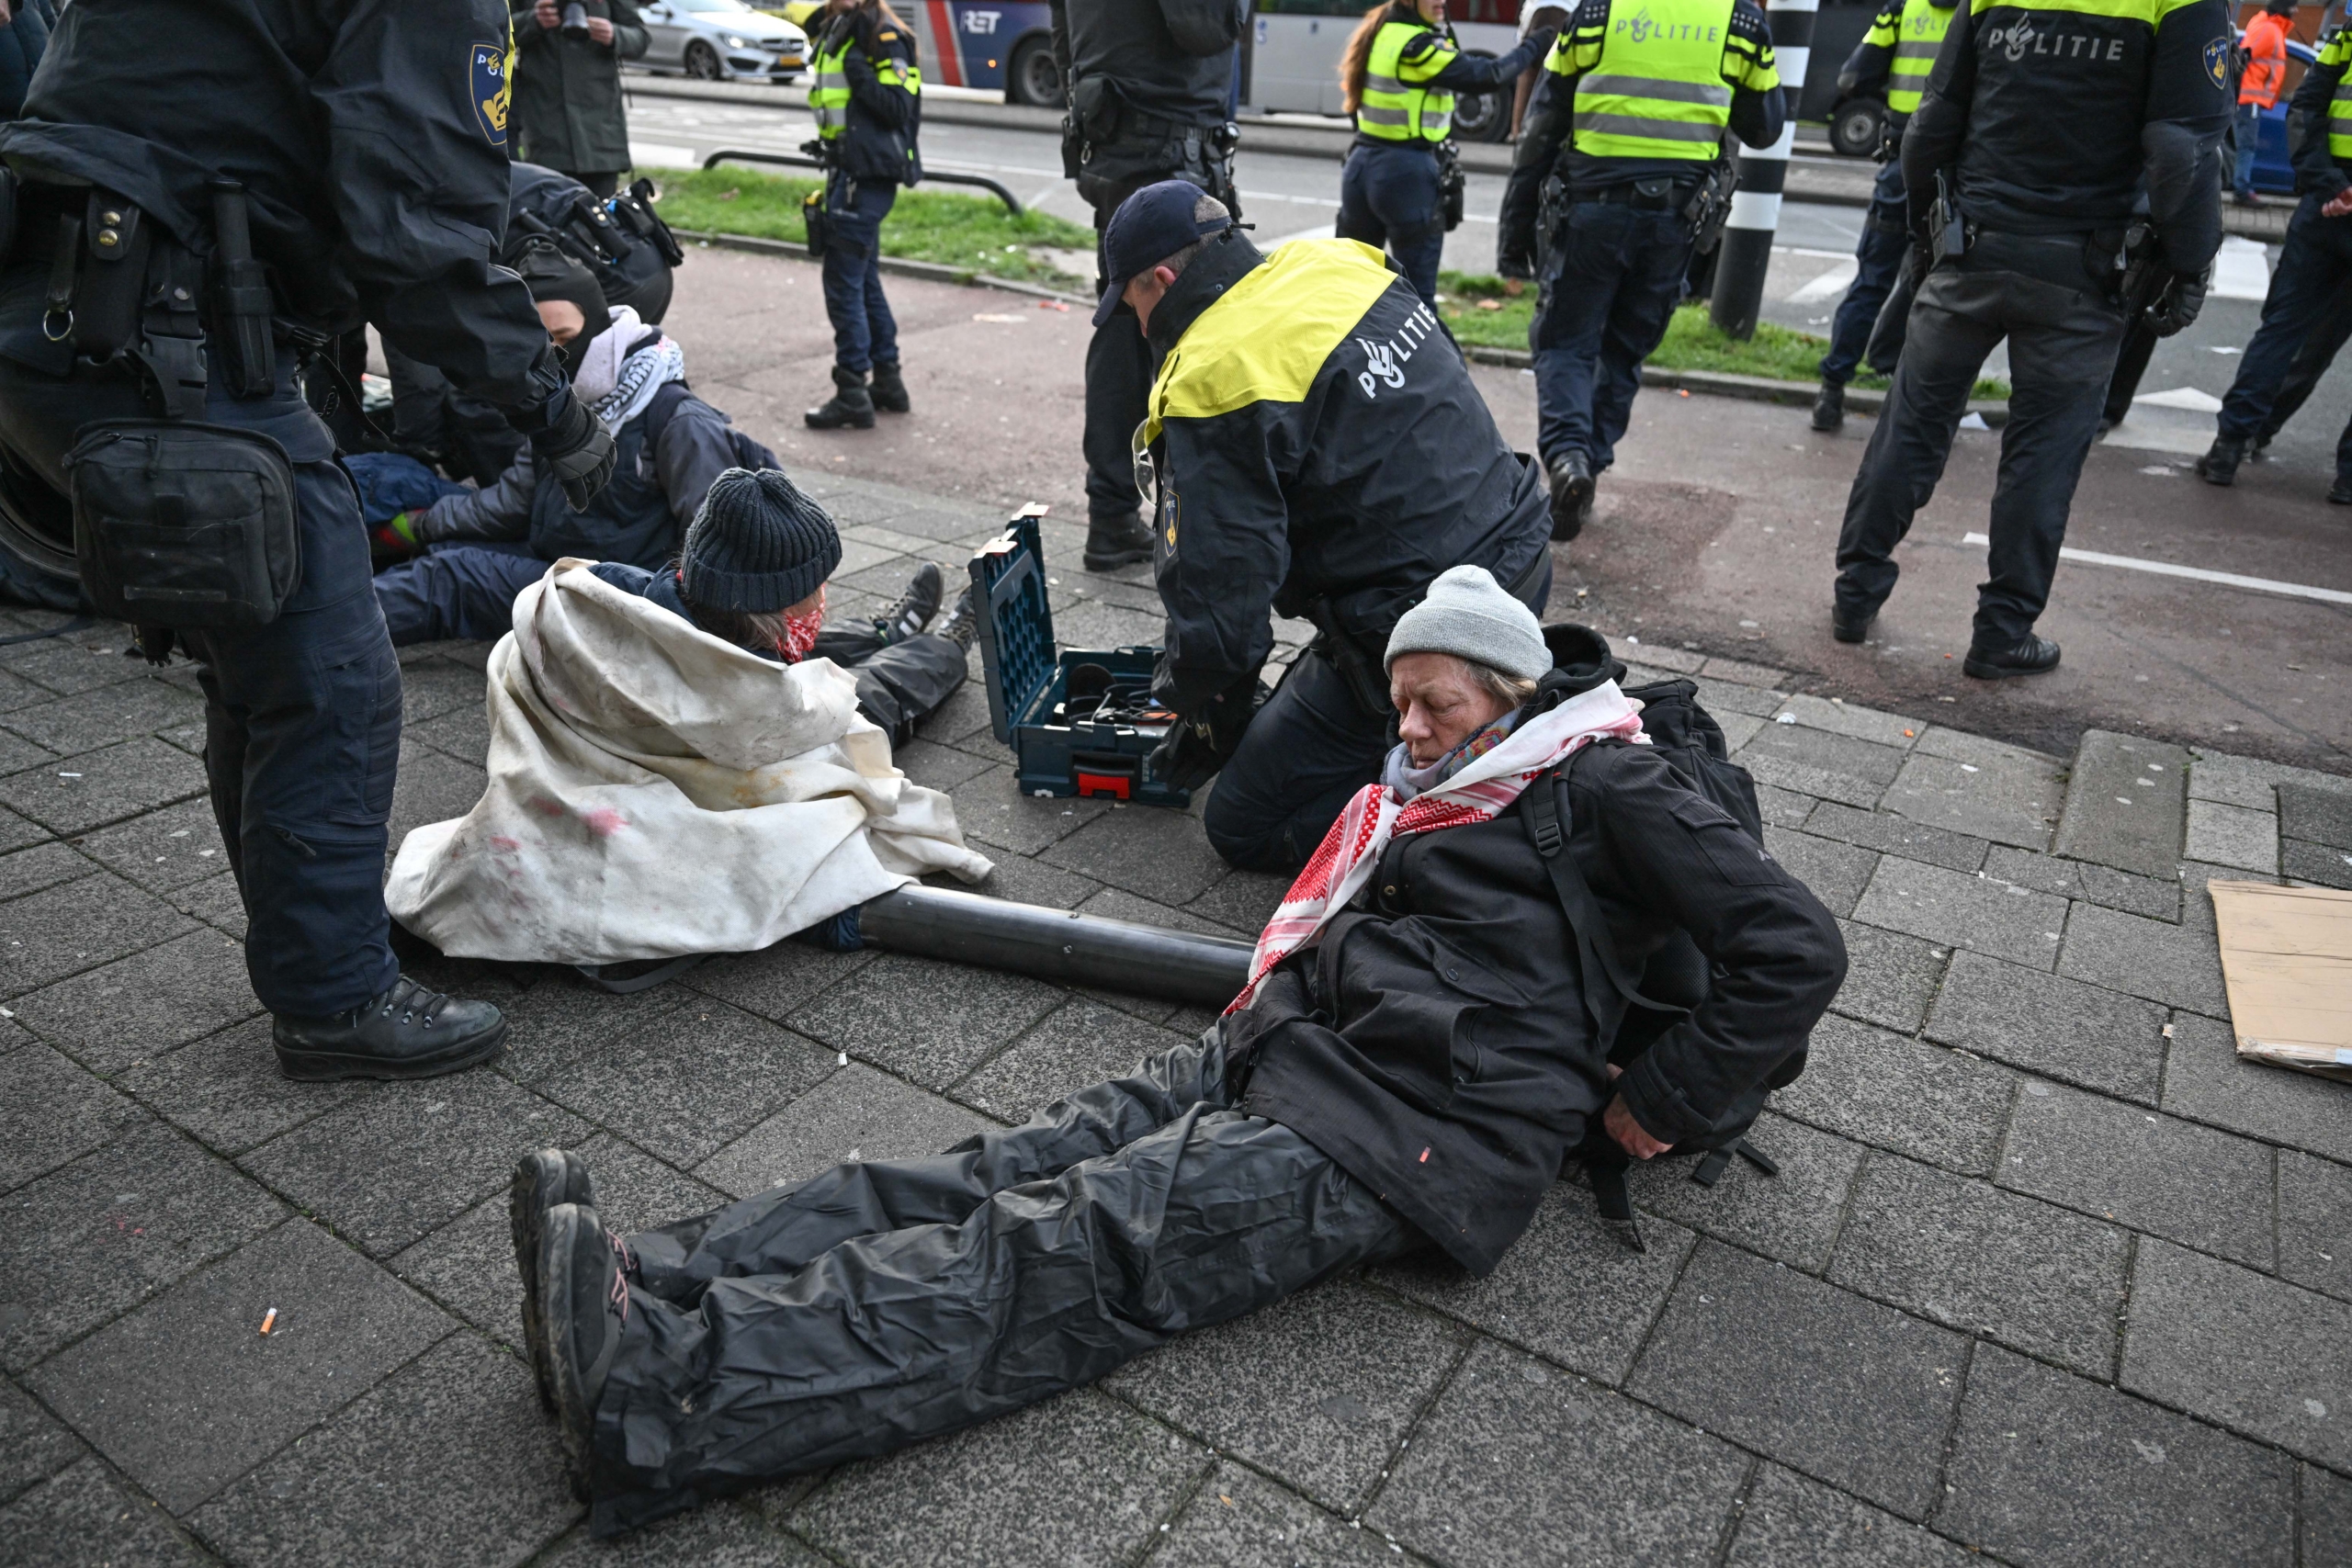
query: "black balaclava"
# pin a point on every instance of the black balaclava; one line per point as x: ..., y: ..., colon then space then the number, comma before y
x: 551, y: 275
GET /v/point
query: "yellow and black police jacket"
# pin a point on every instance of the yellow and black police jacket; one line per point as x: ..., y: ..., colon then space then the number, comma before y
x: 2050, y: 115
x: 1315, y: 434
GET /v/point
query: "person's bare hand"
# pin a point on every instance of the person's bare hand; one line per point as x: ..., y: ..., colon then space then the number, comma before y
x: 600, y: 30
x: 546, y: 14
x: 2339, y: 206
x: 1628, y: 1133
x: 6, y: 14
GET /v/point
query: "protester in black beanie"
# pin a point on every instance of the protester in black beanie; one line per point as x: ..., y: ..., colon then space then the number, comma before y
x: 752, y: 571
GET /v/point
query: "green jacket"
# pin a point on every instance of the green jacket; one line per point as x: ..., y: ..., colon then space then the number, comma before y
x: 568, y: 92
x: 1316, y: 436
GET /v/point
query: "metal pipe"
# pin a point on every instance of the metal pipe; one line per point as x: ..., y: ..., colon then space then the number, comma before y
x: 1057, y: 945
x: 802, y: 161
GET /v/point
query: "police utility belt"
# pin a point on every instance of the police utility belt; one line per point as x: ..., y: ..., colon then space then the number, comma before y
x: 178, y: 523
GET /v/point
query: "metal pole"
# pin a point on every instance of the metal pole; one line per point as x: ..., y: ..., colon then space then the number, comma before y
x: 1746, y: 252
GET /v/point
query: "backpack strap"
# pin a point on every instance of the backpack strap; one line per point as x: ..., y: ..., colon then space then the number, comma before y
x: 664, y: 404
x: 1609, y: 1197
x: 1547, y: 815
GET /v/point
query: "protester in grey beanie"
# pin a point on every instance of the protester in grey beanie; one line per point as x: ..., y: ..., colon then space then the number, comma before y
x: 1468, y: 615
x: 758, y: 545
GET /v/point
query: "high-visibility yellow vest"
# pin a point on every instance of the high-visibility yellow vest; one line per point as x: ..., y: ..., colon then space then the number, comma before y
x: 1395, y: 105
x: 829, y: 96
x: 2336, y: 54
x: 1658, y: 83
x: 1918, y: 36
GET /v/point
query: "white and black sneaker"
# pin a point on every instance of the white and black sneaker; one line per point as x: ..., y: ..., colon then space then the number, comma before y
x: 915, y: 607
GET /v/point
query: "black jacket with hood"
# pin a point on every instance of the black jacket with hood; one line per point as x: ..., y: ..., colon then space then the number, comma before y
x: 1436, y: 1041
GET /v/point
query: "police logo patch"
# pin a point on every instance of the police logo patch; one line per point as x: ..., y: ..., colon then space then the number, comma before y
x: 2217, y: 60
x: 489, y: 86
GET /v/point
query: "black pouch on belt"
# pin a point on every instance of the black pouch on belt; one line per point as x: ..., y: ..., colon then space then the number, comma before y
x: 183, y: 525
x: 812, y: 215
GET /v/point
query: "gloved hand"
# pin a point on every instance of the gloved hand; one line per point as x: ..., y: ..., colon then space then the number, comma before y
x: 1200, y: 744
x: 1515, y: 257
x: 2178, y: 305
x: 578, y: 450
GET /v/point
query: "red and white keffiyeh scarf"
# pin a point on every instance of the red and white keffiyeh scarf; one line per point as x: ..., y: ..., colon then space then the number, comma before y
x: 1351, y: 850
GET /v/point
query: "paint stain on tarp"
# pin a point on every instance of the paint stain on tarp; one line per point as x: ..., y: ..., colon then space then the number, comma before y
x: 604, y: 821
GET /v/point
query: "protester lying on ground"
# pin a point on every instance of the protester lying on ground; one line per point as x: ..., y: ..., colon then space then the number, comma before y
x: 1416, y: 1053
x: 676, y: 768
x: 484, y: 546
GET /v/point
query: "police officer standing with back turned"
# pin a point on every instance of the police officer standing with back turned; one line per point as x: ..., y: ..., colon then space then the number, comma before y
x: 2021, y: 166
x: 174, y: 246
x: 1620, y: 163
x: 1897, y: 52
x: 1148, y: 82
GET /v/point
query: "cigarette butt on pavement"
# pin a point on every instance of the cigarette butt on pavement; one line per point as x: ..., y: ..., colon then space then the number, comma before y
x: 269, y: 1319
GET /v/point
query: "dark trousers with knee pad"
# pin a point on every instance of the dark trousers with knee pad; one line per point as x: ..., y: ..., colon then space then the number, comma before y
x: 889, y: 1300
x: 302, y: 717
x: 898, y: 684
x: 1388, y: 198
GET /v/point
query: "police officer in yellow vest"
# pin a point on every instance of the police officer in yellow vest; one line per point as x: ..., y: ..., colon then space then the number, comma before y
x: 1398, y: 77
x: 867, y: 100
x: 1630, y: 119
x: 2042, y: 123
x: 1316, y: 448
x: 2314, y: 270
x: 1893, y: 57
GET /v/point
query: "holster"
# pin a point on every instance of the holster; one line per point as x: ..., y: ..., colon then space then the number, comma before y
x: 812, y: 214
x: 1345, y: 652
x: 1451, y: 186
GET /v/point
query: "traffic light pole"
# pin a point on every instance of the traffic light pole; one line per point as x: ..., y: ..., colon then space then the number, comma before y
x: 1747, y: 252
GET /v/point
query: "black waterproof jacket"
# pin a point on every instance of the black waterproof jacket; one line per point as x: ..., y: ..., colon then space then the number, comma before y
x: 2049, y: 120
x: 568, y: 91
x: 1137, y: 73
x: 1316, y: 436
x: 1436, y: 1044
x: 371, y: 136
x: 881, y: 141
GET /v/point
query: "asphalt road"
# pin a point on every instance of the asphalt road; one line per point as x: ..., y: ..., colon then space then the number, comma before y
x: 1717, y: 526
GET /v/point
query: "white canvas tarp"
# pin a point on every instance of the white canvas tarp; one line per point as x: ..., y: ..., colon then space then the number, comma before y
x: 655, y: 791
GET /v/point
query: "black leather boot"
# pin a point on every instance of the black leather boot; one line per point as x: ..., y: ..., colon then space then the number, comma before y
x: 915, y: 607
x: 1830, y: 407
x: 543, y: 1179
x: 407, y: 1032
x: 2340, y: 493
x: 2029, y: 655
x: 889, y: 389
x: 1849, y: 625
x: 2220, y: 464
x: 852, y: 406
x: 1115, y: 540
x: 1571, y: 496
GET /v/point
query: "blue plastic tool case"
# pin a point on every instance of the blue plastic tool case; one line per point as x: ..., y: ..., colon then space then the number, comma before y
x: 1059, y: 747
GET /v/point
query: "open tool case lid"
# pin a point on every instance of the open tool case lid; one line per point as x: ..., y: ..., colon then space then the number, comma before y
x: 1016, y: 621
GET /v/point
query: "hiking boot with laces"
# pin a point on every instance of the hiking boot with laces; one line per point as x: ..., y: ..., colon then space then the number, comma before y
x: 889, y: 389
x: 2029, y: 655
x: 915, y: 607
x: 407, y: 1032
x: 584, y: 1310
x: 543, y: 1179
x: 961, y: 627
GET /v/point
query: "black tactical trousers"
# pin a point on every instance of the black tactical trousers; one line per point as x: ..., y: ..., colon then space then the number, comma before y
x: 892, y: 1300
x: 1118, y: 372
x: 2063, y: 342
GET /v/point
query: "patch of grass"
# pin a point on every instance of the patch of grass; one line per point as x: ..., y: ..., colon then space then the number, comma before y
x: 1495, y: 312
x: 973, y: 233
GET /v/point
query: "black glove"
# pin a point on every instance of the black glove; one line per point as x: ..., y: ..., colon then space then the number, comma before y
x: 578, y: 450
x: 1199, y: 745
x: 2178, y: 306
x: 1515, y: 257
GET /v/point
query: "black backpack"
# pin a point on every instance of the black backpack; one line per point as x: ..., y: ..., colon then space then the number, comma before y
x: 1687, y: 738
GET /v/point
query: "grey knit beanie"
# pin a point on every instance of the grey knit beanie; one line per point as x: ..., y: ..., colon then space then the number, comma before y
x: 1468, y: 615
x: 758, y: 545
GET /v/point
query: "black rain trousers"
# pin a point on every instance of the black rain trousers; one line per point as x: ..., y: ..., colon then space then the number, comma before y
x: 892, y: 1300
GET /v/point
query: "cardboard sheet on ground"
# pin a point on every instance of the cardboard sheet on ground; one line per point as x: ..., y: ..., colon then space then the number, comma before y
x: 656, y: 791
x: 2287, y: 959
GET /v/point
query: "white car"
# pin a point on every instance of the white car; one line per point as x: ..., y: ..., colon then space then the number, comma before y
x: 721, y: 41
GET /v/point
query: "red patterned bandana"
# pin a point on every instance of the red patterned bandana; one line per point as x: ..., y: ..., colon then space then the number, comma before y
x: 800, y: 631
x: 1351, y: 850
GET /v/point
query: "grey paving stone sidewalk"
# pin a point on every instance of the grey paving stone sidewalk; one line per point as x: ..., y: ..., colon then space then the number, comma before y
x: 2047, y: 1275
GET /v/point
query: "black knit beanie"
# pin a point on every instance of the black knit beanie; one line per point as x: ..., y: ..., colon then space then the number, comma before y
x: 758, y: 545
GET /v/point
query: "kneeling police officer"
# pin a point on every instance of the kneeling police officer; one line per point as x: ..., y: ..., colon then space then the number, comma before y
x: 1316, y: 448
x: 174, y: 246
